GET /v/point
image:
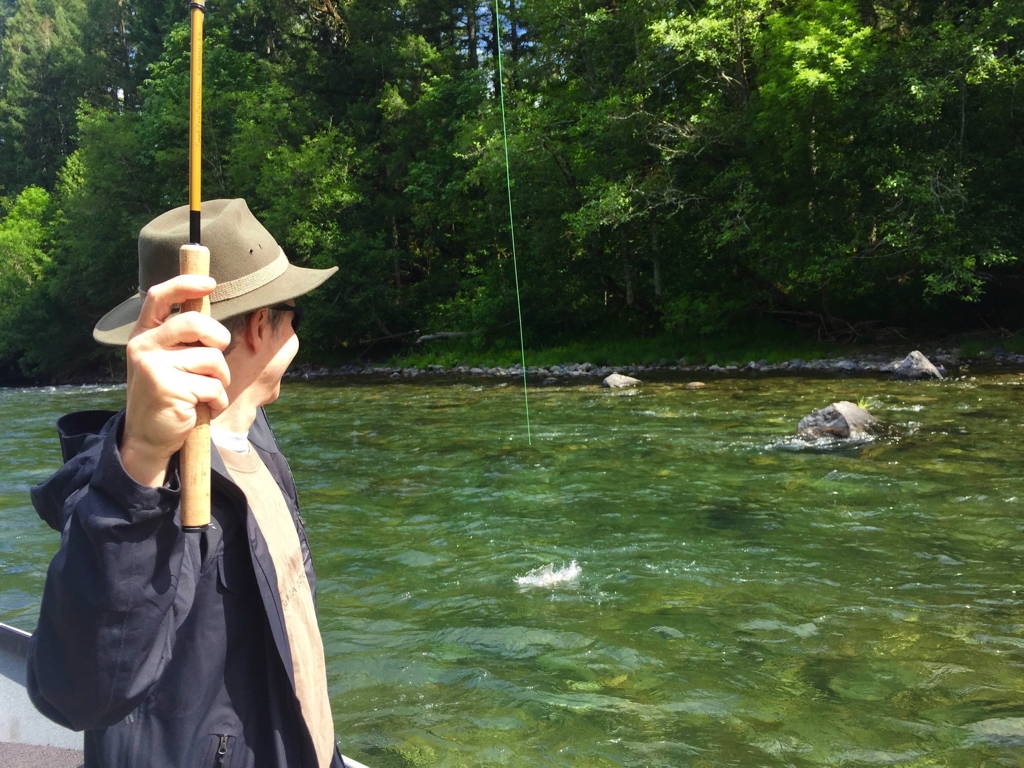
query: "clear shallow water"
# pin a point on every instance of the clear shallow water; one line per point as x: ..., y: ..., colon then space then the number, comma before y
x: 739, y: 601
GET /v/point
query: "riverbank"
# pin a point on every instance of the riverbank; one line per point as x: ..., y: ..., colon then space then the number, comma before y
x: 586, y: 363
x: 949, y: 361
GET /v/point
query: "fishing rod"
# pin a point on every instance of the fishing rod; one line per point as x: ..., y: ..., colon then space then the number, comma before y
x: 194, y: 259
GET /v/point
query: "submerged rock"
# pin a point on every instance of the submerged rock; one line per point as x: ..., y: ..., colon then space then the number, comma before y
x: 696, y: 385
x: 844, y: 420
x: 1000, y: 731
x: 618, y: 381
x: 916, y: 366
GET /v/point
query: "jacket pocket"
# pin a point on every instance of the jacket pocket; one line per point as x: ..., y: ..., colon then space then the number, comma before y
x: 218, y: 751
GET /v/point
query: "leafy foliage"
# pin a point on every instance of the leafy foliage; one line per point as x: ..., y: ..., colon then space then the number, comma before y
x: 679, y: 170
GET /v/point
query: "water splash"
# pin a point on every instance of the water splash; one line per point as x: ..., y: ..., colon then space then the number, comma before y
x: 547, y: 576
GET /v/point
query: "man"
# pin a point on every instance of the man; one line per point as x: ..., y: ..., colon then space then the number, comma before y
x: 173, y: 648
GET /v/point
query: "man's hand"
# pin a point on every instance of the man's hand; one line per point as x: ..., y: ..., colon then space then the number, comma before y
x: 168, y: 374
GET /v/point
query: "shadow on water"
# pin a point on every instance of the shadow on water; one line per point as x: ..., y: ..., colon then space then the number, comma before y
x: 728, y: 515
x: 831, y: 445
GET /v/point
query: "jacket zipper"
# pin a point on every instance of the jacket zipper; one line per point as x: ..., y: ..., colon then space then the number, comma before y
x: 222, y: 751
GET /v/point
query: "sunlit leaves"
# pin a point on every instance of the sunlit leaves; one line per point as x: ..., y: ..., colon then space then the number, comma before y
x: 25, y: 237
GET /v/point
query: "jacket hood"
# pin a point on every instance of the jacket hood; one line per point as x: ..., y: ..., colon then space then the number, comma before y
x: 81, y: 436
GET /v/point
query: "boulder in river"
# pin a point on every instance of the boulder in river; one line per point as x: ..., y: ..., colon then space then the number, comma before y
x: 618, y: 381
x: 844, y: 420
x: 916, y: 366
x: 695, y: 385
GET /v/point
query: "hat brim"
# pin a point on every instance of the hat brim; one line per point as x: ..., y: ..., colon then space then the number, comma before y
x: 115, y: 327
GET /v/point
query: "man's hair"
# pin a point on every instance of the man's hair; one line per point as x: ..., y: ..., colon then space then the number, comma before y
x: 236, y: 324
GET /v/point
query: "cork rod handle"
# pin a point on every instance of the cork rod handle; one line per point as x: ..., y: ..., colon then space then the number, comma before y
x: 195, y: 454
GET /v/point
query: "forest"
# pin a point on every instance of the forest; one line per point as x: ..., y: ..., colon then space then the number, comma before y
x: 851, y: 169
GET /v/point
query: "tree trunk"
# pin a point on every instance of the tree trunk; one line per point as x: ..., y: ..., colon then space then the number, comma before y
x: 395, y: 262
x: 655, y: 261
x: 493, y: 45
x: 513, y: 35
x: 627, y: 274
x: 868, y: 14
x: 472, y: 35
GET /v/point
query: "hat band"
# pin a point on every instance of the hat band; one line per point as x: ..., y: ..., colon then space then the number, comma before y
x: 247, y: 283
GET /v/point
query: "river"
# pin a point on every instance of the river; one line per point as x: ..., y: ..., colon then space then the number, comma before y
x: 716, y: 594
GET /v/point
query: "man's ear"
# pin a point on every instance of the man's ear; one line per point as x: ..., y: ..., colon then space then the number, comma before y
x: 256, y: 328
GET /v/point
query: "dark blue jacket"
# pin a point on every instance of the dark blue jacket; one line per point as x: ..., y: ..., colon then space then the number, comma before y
x: 167, y: 648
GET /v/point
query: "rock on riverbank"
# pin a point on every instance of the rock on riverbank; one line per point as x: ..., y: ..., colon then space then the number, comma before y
x: 916, y: 366
x: 618, y: 381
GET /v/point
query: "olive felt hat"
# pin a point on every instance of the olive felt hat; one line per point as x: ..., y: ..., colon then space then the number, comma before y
x: 249, y: 266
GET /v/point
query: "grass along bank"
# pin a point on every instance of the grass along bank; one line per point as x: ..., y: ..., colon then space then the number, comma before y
x: 733, y: 349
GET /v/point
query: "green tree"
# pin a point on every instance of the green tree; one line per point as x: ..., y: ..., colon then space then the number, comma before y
x: 25, y: 234
x: 42, y: 76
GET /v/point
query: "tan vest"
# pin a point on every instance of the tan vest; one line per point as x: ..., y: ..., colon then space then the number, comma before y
x: 275, y: 523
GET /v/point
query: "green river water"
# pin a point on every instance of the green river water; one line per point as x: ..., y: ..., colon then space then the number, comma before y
x: 733, y: 598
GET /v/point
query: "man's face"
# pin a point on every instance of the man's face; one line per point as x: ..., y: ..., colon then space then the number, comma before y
x: 282, y: 344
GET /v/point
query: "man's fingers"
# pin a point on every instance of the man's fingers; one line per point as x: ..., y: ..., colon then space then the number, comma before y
x: 203, y: 389
x: 210, y: 391
x: 204, y: 361
x: 192, y: 328
x: 162, y: 298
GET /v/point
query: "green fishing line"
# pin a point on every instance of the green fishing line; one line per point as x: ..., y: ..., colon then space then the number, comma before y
x: 511, y: 219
